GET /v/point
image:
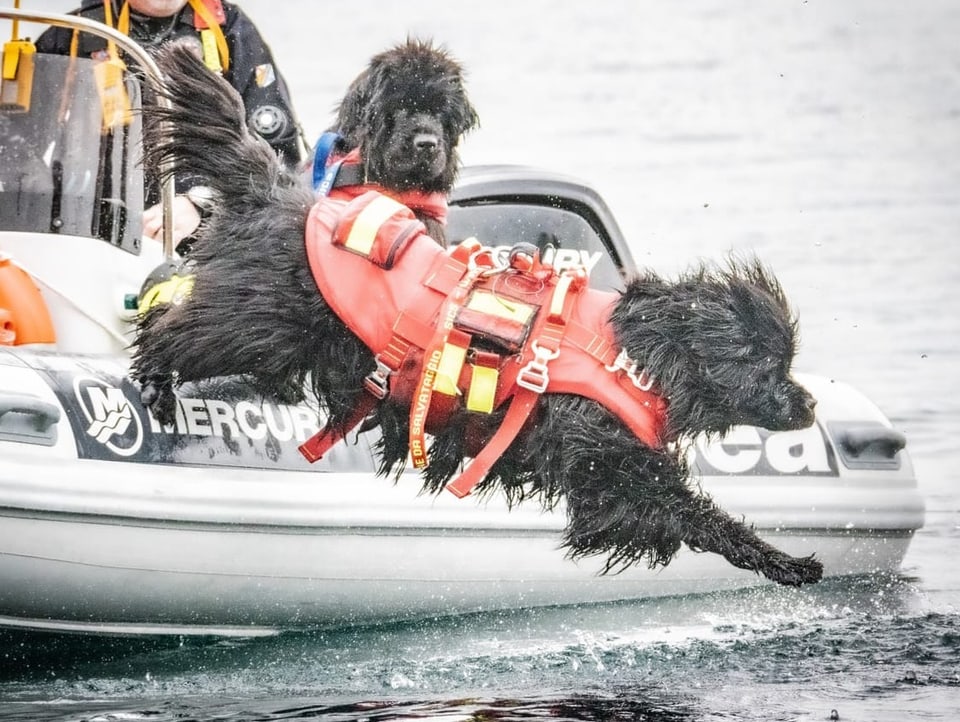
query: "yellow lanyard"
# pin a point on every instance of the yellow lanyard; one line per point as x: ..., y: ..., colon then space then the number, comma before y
x: 123, y: 25
x: 114, y: 101
x: 216, y: 54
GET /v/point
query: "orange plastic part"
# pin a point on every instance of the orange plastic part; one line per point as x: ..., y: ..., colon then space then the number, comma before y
x: 24, y: 317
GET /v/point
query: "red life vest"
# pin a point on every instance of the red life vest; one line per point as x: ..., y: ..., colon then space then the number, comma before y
x: 450, y: 329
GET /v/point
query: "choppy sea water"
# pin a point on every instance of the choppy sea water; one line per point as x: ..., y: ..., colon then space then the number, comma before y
x: 821, y: 135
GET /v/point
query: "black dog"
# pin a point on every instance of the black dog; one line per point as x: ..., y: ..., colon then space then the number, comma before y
x: 406, y: 114
x: 719, y: 344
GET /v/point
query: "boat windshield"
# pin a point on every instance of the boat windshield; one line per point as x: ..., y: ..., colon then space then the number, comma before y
x: 62, y: 168
x: 563, y: 235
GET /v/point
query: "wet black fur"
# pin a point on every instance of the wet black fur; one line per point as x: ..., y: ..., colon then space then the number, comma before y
x: 407, y: 112
x: 720, y: 343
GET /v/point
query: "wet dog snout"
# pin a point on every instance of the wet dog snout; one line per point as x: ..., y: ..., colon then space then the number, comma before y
x: 425, y: 141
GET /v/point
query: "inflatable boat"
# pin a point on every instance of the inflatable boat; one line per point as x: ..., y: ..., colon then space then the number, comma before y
x: 111, y: 523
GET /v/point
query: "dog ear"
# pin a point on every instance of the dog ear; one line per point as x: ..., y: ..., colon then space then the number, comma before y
x: 350, y: 112
x: 758, y: 298
x: 466, y: 117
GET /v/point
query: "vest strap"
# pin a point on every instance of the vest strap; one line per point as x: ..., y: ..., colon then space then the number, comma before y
x: 484, y: 377
x: 517, y: 414
x: 407, y: 331
x: 321, y: 442
x: 591, y: 342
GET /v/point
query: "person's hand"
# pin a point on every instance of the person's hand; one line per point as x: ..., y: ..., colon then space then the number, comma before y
x: 186, y: 218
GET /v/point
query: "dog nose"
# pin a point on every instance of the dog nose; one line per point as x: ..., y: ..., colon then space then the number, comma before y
x: 808, y: 414
x: 425, y: 141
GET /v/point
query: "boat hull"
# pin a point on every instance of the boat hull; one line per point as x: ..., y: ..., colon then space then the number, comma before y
x: 121, y: 576
x: 147, y: 530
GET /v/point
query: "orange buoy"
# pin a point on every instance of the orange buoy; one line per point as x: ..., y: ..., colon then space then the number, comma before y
x: 24, y: 317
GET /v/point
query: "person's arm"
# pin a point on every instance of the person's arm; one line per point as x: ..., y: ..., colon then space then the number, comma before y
x: 265, y: 96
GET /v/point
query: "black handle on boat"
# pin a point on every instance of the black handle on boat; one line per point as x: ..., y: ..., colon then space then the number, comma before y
x: 43, y: 412
x: 858, y: 439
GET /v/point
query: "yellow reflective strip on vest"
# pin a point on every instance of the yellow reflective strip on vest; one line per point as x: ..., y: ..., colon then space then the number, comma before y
x: 448, y: 370
x: 483, y: 389
x: 364, y: 230
x: 560, y: 295
x: 490, y: 303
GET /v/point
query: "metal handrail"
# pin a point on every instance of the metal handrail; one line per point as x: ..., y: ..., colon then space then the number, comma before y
x: 150, y: 68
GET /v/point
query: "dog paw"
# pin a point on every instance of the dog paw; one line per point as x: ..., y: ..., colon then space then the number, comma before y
x: 159, y: 396
x: 794, y: 571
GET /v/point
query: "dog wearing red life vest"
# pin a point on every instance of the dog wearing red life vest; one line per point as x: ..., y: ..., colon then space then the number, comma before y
x: 710, y: 349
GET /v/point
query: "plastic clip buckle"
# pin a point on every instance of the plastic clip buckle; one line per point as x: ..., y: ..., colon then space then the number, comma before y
x: 534, y: 376
x: 643, y: 380
x: 377, y: 381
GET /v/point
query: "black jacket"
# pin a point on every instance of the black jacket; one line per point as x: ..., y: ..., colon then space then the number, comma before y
x: 251, y: 70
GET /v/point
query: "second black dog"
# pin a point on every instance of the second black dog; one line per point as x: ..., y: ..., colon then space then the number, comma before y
x: 405, y: 115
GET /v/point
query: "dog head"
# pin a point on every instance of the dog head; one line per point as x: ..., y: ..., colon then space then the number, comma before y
x: 407, y: 113
x: 720, y: 344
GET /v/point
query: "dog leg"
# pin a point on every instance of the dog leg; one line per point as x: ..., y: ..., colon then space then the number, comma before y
x: 616, y: 490
x: 633, y: 503
x: 709, y: 529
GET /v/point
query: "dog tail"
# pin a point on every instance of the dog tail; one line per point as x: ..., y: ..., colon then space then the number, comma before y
x: 203, y: 135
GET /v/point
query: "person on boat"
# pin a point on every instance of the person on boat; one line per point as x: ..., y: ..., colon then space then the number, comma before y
x: 230, y: 44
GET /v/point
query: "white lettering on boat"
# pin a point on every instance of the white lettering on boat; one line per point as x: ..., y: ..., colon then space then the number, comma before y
x: 747, y: 450
x: 561, y: 258
x: 213, y: 417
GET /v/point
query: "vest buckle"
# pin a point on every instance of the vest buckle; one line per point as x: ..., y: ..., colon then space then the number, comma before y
x: 377, y: 381
x: 642, y: 380
x: 534, y: 376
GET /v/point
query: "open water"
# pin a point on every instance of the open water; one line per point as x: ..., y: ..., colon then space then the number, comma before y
x: 824, y: 136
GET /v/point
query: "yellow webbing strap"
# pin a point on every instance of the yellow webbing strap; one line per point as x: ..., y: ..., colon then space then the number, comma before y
x: 483, y: 389
x: 108, y: 73
x: 216, y: 54
x: 448, y: 369
x: 123, y: 24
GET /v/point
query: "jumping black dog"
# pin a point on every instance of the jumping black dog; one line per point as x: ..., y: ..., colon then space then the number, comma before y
x: 717, y: 343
